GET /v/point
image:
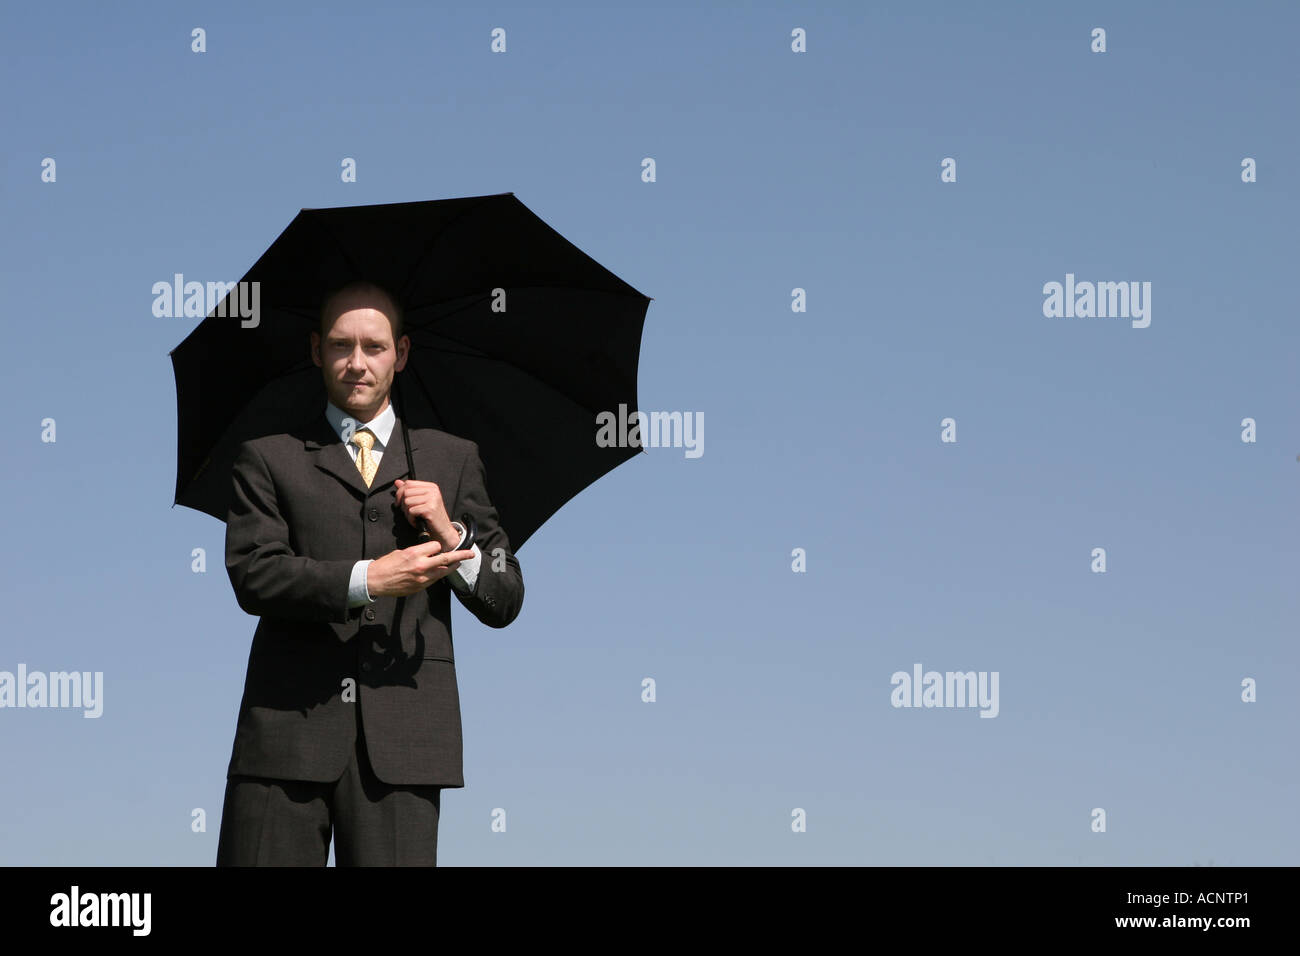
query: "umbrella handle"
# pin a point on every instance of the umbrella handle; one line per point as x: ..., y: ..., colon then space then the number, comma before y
x: 471, y: 530
x: 467, y: 519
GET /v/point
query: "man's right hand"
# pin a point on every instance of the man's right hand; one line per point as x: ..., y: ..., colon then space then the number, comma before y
x: 408, y: 570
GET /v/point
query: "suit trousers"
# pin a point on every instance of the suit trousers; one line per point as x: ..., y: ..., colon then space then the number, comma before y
x: 269, y: 822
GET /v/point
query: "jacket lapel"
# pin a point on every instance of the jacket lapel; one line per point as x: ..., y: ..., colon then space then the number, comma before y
x: 393, y: 465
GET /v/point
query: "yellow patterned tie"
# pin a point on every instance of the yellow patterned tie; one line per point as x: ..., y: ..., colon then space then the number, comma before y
x: 364, y: 441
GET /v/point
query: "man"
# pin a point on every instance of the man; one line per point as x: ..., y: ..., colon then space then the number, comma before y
x: 350, y: 719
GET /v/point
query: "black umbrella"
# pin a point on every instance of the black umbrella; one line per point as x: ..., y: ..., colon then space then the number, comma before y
x: 525, y: 383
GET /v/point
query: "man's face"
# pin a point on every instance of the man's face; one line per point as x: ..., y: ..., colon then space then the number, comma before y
x: 358, y: 356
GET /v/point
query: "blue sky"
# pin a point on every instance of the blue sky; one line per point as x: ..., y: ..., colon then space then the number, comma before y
x: 775, y: 171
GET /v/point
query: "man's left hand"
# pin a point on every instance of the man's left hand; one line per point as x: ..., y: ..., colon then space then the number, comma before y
x: 423, y: 499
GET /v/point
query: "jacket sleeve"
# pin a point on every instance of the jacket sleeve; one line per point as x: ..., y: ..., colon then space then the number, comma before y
x: 268, y: 578
x: 498, y: 592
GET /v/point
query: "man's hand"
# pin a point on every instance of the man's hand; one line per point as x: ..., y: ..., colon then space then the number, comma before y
x: 423, y: 499
x: 409, y: 570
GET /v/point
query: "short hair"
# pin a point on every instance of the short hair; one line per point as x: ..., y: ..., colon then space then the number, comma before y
x: 354, y: 286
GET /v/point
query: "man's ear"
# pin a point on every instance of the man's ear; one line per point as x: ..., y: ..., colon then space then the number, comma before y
x: 403, y: 353
x: 315, y: 349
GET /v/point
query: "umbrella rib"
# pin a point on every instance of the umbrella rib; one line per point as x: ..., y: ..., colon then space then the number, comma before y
x: 545, y: 384
x: 473, y: 352
x: 428, y: 249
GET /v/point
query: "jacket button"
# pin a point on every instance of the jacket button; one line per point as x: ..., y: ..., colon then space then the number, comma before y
x: 373, y: 514
x: 370, y: 614
x: 366, y: 666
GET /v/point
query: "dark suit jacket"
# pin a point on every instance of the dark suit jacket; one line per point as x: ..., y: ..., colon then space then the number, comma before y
x: 300, y: 518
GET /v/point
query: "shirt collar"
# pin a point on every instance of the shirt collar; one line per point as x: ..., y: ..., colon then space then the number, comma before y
x: 381, y: 425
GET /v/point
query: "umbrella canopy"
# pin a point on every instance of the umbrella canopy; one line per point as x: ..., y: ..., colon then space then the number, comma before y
x: 525, y: 383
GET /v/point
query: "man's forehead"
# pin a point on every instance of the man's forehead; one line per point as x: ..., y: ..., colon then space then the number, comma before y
x: 350, y: 301
x: 376, y: 331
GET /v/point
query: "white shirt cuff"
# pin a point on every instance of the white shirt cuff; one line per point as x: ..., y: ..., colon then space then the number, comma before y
x: 467, y: 572
x: 358, y: 591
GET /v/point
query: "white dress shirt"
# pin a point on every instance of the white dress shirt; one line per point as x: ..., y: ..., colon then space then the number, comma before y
x: 381, y: 426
